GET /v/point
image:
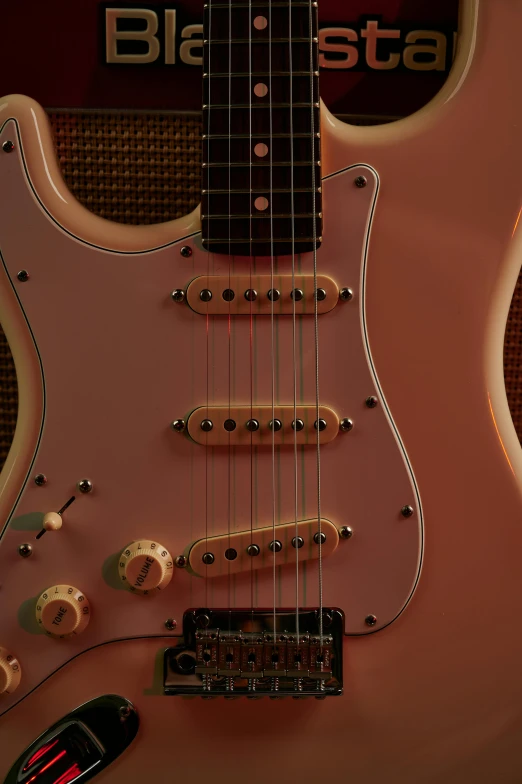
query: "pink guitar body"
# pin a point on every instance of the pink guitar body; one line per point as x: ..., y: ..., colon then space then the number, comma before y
x: 431, y: 248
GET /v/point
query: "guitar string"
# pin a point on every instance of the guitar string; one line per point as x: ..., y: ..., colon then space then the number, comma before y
x: 229, y: 301
x: 209, y: 109
x: 272, y: 320
x: 294, y: 325
x: 252, y: 448
x: 316, y: 326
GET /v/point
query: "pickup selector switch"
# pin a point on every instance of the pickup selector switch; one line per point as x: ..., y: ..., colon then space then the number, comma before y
x: 145, y: 566
x: 63, y: 611
x: 10, y: 672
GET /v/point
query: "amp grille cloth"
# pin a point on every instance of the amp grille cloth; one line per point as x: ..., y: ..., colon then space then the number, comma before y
x: 145, y: 168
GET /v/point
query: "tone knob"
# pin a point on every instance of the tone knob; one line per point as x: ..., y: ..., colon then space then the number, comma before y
x: 145, y: 566
x: 63, y: 611
x: 10, y: 672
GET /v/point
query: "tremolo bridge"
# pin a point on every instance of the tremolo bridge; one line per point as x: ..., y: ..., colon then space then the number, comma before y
x: 257, y: 653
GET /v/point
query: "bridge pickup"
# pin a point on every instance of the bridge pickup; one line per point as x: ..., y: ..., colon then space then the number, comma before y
x: 261, y: 295
x: 220, y: 556
x: 260, y: 425
x: 235, y: 653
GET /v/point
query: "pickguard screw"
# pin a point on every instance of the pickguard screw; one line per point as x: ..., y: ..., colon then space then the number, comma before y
x: 320, y: 537
x: 407, y: 511
x: 178, y: 295
x: 250, y: 295
x: 205, y: 295
x: 252, y: 425
x: 178, y: 425
x: 85, y: 485
x: 8, y: 146
x: 370, y: 620
x: 207, y: 425
x: 23, y: 276
x: 361, y: 182
x: 186, y: 251
x: 346, y: 294
x: 40, y: 480
x: 371, y: 401
x: 170, y: 624
x: 181, y: 561
x: 346, y: 425
x: 124, y: 712
x: 345, y: 532
x: 25, y: 550
x: 208, y: 559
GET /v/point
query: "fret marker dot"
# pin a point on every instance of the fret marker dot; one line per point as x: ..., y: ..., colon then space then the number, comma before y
x: 260, y: 90
x: 260, y: 22
x: 261, y: 203
x: 261, y: 150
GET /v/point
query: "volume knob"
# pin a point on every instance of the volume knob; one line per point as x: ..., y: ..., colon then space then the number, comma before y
x: 63, y: 610
x: 10, y: 672
x: 145, y: 566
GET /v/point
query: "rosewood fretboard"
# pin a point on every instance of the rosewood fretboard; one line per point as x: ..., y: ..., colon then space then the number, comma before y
x: 261, y: 146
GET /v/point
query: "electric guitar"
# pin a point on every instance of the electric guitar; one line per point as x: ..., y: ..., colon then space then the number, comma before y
x: 262, y: 509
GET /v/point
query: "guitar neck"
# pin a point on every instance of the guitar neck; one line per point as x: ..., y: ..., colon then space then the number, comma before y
x: 261, y: 140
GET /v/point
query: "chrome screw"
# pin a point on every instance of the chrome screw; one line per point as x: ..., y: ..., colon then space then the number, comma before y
x: 320, y: 295
x: 252, y: 425
x: 273, y: 295
x: 345, y: 532
x: 275, y: 425
x: 186, y: 251
x: 370, y: 620
x: 205, y: 295
x: 208, y: 559
x: 124, y: 712
x: 407, y: 511
x: 275, y: 546
x: 84, y: 485
x: 297, y: 425
x: 180, y: 561
x: 361, y: 182
x: 320, y: 537
x: 23, y: 276
x: 170, y: 624
x: 178, y: 425
x: 297, y: 295
x: 346, y: 425
x: 250, y: 295
x: 206, y: 425
x: 202, y: 620
x: 8, y: 146
x: 40, y: 480
x: 321, y: 423
x: 346, y: 294
x: 253, y: 549
x: 25, y: 550
x: 178, y: 295
x: 371, y: 401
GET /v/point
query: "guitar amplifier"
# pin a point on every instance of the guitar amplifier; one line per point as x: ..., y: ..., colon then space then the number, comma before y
x: 146, y: 168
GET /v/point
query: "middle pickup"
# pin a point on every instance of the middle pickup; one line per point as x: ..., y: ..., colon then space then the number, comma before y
x: 262, y: 295
x: 262, y: 425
